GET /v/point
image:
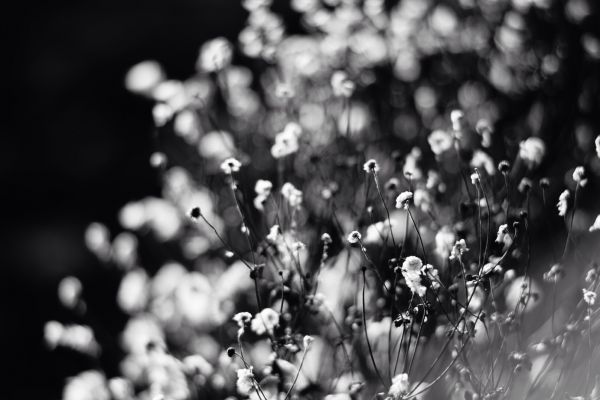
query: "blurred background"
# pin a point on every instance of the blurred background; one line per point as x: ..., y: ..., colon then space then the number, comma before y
x: 76, y: 147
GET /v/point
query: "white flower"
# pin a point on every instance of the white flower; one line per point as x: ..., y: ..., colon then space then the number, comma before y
x: 259, y: 202
x: 354, y: 237
x: 245, y: 381
x: 69, y: 291
x: 532, y: 151
x: 596, y: 225
x: 403, y: 199
x: 440, y: 141
x: 144, y: 77
x: 502, y: 232
x: 326, y: 238
x: 342, y: 86
x: 371, y: 166
x: 215, y: 55
x: 242, y: 318
x: 459, y: 248
x: 291, y: 194
x: 133, y: 291
x: 265, y: 321
x: 444, y: 241
x: 88, y: 385
x: 457, y: 116
x: 230, y: 165
x: 474, y: 178
x: 399, y: 387
x: 579, y: 176
x: 411, y: 271
x: 286, y: 142
x: 597, y: 142
x: 307, y: 341
x: 563, y: 202
x: 273, y: 234
x: 482, y: 160
x: 589, y: 296
x: 263, y: 187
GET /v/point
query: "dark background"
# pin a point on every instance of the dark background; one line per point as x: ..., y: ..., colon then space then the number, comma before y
x: 74, y: 150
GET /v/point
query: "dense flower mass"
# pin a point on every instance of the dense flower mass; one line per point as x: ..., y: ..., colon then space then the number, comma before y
x: 393, y: 225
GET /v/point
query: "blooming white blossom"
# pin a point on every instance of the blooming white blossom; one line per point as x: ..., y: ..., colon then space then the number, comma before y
x: 273, y: 234
x: 69, y: 291
x: 354, y: 237
x: 596, y: 225
x: 483, y: 160
x: 245, y: 381
x: 286, y: 141
x: 589, y: 296
x: 371, y: 166
x: 292, y: 195
x: 133, y: 291
x: 459, y: 248
x: 502, y: 232
x: 411, y: 271
x: 403, y: 199
x: 142, y: 78
x: 444, y: 241
x: 265, y: 321
x: 88, y: 385
x: 597, y: 142
x: 532, y: 151
x: 263, y: 187
x: 215, y: 55
x: 230, y: 165
x: 399, y: 387
x: 563, y: 201
x: 456, y: 117
x: 579, y: 176
x: 440, y: 141
x: 307, y: 341
x: 341, y: 85
x: 474, y: 178
x: 242, y: 318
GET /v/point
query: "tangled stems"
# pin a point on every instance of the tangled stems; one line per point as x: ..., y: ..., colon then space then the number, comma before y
x: 364, y: 316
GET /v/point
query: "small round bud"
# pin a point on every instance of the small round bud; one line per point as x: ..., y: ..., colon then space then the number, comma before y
x: 504, y: 166
x: 230, y: 352
x: 544, y: 183
x: 195, y: 213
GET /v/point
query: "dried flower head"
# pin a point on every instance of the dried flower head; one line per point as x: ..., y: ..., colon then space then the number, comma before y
x: 563, y: 202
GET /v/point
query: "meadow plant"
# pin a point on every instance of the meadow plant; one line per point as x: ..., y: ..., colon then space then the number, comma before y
x: 341, y: 217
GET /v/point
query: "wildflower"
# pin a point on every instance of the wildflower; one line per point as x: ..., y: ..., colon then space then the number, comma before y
x: 342, y: 85
x: 544, y: 183
x: 482, y: 160
x: 597, y: 142
x: 265, y: 321
x: 411, y: 271
x: 459, y: 248
x: 286, y: 141
x: 502, y: 232
x: 532, y: 151
x: 440, y: 141
x: 263, y: 187
x: 456, y: 117
x: 245, y: 381
x: 562, y: 204
x: 474, y: 178
x: 354, y: 237
x: 69, y: 291
x: 589, y: 296
x: 307, y: 341
x: 579, y: 176
x: 120, y: 388
x: 273, y: 234
x: 524, y: 185
x: 371, y: 166
x: 133, y: 291
x: 399, y: 387
x: 144, y: 77
x: 444, y: 241
x: 291, y: 194
x: 215, y: 55
x: 259, y: 202
x: 591, y: 275
x: 88, y: 385
x: 392, y: 185
x: 403, y: 199
x: 326, y: 238
x: 433, y: 274
x: 554, y: 274
x: 596, y: 225
x: 230, y: 165
x: 242, y: 318
x: 485, y: 130
x: 504, y: 166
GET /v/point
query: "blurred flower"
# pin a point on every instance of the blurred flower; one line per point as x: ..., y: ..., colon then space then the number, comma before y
x: 143, y: 78
x: 87, y: 385
x: 133, y: 292
x: 245, y: 381
x: 371, y: 166
x: 215, y: 55
x: 589, y: 297
x: 69, y: 291
x: 399, y: 387
x: 341, y: 85
x: 440, y: 141
x: 291, y: 194
x: 411, y: 271
x: 596, y: 225
x: 502, y: 233
x: 597, y: 143
x: 354, y: 237
x: 563, y: 202
x: 265, y: 321
x: 403, y: 200
x: 532, y: 151
x: 286, y: 142
x: 460, y: 247
x: 230, y: 166
x: 579, y: 176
